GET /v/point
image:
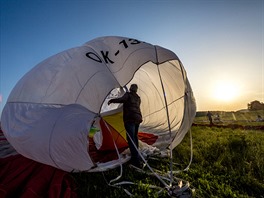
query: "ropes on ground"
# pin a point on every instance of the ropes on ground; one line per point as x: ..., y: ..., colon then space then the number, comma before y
x: 175, y: 187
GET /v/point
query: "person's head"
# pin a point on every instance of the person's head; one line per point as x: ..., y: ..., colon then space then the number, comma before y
x: 133, y: 88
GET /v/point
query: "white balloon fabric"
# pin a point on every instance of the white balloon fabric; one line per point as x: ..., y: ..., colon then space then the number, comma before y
x: 50, y: 111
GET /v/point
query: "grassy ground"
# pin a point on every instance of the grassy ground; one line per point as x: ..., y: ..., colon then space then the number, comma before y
x: 227, y: 162
x: 243, y: 118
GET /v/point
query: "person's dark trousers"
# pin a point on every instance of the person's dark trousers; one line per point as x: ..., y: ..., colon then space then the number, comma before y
x: 132, y: 130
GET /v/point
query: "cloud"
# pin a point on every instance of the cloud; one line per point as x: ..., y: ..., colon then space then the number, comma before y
x: 1, y: 98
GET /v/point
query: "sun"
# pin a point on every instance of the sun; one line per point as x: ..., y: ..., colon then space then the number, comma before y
x: 225, y: 91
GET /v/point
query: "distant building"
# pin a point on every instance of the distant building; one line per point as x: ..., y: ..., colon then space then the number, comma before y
x: 256, y: 105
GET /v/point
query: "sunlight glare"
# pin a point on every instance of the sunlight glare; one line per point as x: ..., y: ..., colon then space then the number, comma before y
x: 225, y: 91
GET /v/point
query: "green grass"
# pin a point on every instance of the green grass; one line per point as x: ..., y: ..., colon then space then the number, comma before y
x: 240, y: 117
x: 226, y: 162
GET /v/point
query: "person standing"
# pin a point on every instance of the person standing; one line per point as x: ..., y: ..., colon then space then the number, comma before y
x: 132, y: 118
x: 209, y: 115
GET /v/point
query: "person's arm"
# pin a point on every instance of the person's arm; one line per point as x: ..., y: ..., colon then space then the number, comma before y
x: 122, y: 99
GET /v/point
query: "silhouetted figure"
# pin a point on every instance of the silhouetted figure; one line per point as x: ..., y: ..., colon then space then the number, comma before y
x: 209, y: 115
x: 132, y: 118
x: 259, y: 119
x: 217, y: 118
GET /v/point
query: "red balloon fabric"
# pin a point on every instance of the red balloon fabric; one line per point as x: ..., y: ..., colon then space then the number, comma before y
x: 25, y: 178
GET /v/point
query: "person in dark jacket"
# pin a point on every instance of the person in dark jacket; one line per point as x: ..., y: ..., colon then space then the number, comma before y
x: 132, y: 118
x: 209, y: 115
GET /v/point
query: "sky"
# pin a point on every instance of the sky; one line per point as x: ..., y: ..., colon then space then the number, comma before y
x: 219, y: 42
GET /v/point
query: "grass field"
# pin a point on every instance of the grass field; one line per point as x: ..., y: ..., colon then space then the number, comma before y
x: 228, y: 161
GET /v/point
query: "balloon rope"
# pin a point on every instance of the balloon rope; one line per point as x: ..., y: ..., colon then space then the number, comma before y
x: 146, y: 163
x: 191, y: 152
x: 169, y: 125
x: 191, y: 143
x: 191, y: 146
x: 121, y: 170
x: 117, y: 152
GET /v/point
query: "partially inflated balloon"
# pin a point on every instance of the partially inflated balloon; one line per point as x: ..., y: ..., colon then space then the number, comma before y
x: 57, y: 114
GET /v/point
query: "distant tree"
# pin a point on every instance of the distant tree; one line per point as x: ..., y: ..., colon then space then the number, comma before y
x: 255, y: 105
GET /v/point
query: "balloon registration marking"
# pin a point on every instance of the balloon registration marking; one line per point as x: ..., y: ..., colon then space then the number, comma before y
x: 105, y: 54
